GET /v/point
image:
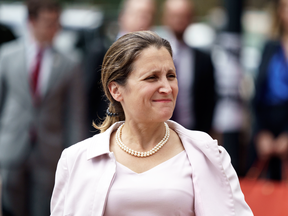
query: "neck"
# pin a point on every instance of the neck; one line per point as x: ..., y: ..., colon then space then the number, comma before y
x: 43, y: 44
x: 179, y: 36
x: 38, y: 40
x: 142, y: 137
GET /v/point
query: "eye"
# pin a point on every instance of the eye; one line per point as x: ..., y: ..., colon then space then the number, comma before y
x: 151, y: 78
x: 171, y: 76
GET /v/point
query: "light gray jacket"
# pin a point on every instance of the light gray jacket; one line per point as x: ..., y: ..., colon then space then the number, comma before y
x: 59, y: 118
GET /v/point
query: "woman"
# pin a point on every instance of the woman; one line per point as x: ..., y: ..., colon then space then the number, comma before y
x: 142, y: 164
x: 271, y: 98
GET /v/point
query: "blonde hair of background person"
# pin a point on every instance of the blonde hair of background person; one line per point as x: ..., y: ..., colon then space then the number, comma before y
x: 270, y: 102
x: 278, y: 10
x: 266, y: 144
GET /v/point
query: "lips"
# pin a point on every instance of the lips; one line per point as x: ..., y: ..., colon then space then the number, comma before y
x: 163, y: 100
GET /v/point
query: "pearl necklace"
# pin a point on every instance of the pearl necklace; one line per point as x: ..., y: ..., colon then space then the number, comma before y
x: 142, y: 154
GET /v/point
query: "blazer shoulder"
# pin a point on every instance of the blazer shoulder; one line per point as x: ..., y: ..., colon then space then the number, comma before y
x: 78, y: 148
x: 199, y: 136
x: 12, y: 47
x: 94, y: 144
x: 269, y: 49
x: 272, y: 43
x: 191, y: 134
x: 67, y: 58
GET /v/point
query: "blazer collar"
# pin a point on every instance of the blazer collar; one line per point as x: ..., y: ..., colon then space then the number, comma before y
x: 100, y: 143
x: 198, y: 139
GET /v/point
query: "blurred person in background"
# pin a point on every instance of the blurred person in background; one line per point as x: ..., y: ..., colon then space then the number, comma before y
x: 6, y: 34
x: 231, y: 108
x: 136, y: 15
x: 41, y: 113
x: 195, y: 72
x: 271, y: 98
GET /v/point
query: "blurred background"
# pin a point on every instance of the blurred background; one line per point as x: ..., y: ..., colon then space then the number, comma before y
x: 83, y: 20
x: 220, y: 27
x: 232, y: 32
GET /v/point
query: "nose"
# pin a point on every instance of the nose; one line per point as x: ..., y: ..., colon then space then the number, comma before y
x: 165, y: 87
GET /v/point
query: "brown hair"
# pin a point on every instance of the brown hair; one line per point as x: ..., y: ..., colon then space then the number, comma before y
x: 118, y: 64
x: 35, y: 6
x: 277, y: 26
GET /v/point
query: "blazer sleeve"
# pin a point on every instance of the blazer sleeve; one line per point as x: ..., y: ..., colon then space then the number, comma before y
x: 60, y: 187
x: 240, y: 205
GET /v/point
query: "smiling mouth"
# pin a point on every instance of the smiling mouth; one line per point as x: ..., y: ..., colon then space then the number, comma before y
x: 163, y: 100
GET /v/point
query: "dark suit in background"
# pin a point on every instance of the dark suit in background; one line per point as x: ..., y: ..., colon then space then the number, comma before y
x: 203, y: 91
x: 268, y: 117
x: 96, y: 99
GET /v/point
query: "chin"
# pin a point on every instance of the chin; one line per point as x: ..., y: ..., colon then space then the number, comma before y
x: 164, y: 116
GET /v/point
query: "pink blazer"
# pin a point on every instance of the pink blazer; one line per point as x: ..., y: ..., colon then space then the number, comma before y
x: 86, y: 171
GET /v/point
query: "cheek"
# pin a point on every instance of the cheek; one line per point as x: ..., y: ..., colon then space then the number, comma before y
x: 147, y: 90
x: 174, y: 87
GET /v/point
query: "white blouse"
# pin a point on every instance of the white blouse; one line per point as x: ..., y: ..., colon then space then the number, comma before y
x: 166, y: 189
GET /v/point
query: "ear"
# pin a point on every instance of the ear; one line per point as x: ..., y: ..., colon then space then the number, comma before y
x: 114, y: 89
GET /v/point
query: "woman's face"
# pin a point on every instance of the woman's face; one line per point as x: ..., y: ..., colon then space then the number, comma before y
x: 283, y: 13
x: 151, y: 89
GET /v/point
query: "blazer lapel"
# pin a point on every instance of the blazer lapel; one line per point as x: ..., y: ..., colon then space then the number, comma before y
x: 22, y: 75
x: 210, y: 183
x: 55, y: 72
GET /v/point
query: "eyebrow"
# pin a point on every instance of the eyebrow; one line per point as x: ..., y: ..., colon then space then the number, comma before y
x: 159, y: 71
x: 156, y: 71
